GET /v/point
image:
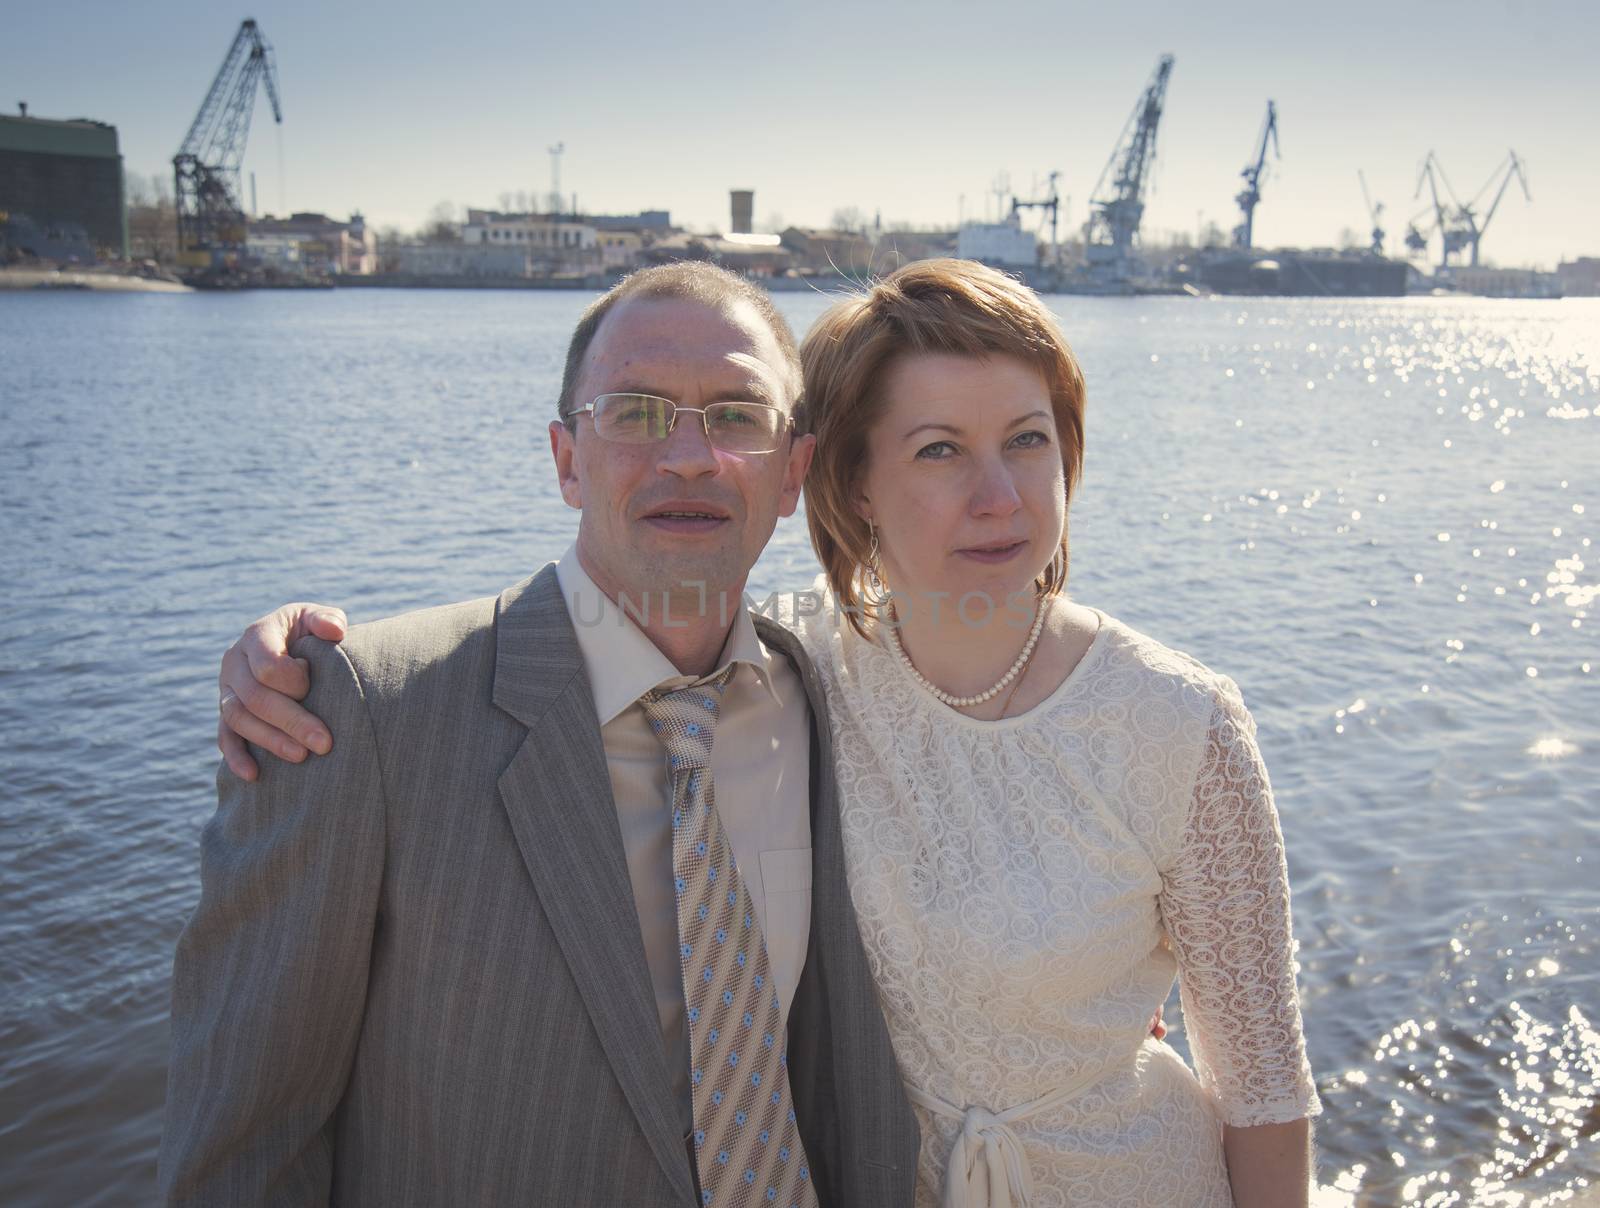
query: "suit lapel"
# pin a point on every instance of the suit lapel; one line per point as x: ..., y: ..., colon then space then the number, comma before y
x: 557, y: 793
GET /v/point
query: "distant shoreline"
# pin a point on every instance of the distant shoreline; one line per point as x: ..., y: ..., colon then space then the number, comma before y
x: 102, y: 280
x: 85, y: 279
x: 596, y: 283
x: 106, y: 281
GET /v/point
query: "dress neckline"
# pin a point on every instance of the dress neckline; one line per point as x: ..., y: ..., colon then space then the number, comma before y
x: 931, y: 704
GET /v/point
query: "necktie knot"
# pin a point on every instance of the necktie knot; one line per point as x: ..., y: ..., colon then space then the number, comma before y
x: 685, y: 719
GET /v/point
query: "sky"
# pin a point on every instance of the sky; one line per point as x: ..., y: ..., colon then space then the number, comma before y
x: 906, y: 111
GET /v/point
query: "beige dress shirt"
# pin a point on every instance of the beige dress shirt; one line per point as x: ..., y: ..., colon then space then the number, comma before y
x: 760, y: 765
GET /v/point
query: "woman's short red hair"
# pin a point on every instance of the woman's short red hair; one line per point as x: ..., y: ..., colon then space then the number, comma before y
x: 957, y: 307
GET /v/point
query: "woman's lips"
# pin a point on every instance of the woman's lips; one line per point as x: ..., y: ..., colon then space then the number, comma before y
x: 993, y: 554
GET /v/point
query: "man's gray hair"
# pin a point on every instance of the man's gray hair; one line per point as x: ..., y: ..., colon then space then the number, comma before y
x: 688, y: 281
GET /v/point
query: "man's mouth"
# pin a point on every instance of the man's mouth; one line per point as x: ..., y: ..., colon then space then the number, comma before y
x: 686, y: 519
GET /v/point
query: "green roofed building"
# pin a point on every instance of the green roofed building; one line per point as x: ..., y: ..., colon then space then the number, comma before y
x: 64, y: 173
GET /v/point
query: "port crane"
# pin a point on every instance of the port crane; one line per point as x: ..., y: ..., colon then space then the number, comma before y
x: 1510, y: 166
x: 1416, y: 237
x: 1459, y: 226
x: 211, y: 220
x: 1051, y: 205
x: 1375, y: 212
x: 1114, y: 215
x: 1452, y: 237
x: 1250, y: 195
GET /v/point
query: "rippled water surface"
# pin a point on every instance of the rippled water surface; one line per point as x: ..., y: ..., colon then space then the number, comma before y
x: 1376, y: 515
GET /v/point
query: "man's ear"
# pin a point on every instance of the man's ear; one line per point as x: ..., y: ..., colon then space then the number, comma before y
x: 798, y: 462
x: 564, y: 449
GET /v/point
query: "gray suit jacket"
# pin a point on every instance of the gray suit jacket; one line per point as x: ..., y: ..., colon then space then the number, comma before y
x: 416, y: 977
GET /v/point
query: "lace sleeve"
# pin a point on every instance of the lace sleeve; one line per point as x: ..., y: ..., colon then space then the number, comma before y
x: 1225, y: 902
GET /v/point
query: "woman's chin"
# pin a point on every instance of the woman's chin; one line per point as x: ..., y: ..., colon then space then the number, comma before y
x: 973, y: 597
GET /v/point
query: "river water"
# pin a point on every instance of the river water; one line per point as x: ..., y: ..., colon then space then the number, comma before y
x: 1375, y: 515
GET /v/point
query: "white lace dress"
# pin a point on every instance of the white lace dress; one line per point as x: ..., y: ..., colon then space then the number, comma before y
x: 1027, y: 889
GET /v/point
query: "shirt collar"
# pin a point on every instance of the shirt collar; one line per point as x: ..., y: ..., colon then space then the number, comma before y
x: 623, y: 663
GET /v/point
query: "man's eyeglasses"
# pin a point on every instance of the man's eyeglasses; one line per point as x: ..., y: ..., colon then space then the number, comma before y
x: 644, y: 419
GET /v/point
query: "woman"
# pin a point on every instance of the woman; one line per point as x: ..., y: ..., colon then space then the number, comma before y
x: 1047, y: 815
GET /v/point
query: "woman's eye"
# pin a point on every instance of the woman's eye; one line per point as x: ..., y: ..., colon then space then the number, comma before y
x: 936, y: 451
x: 1031, y: 440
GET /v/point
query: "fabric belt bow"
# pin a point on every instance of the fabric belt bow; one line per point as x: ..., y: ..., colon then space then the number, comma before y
x: 988, y: 1168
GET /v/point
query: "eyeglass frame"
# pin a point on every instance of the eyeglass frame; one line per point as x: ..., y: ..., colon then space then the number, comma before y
x: 672, y: 420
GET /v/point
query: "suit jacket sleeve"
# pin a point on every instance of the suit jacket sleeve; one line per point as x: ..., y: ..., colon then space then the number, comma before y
x: 270, y: 979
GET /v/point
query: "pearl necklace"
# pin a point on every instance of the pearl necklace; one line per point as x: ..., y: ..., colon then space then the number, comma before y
x: 965, y: 702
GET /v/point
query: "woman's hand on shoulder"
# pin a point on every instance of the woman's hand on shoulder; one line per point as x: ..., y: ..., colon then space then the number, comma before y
x: 260, y: 684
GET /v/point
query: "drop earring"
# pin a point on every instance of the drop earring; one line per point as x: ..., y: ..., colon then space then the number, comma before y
x: 874, y: 594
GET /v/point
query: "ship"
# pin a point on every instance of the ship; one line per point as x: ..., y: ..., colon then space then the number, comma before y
x: 1293, y: 272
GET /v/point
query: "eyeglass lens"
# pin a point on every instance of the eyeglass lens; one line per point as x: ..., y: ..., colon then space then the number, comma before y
x: 734, y: 427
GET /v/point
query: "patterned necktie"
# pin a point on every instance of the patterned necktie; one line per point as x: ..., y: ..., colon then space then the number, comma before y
x: 747, y: 1145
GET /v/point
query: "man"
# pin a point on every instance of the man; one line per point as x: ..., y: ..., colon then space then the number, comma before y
x: 536, y: 929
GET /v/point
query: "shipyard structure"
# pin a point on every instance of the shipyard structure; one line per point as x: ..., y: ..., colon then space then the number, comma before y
x: 1113, y: 259
x: 60, y: 190
x: 569, y: 247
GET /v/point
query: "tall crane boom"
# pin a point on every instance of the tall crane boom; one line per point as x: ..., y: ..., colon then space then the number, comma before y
x: 1452, y: 239
x: 1512, y: 166
x: 1244, y: 233
x: 1375, y: 212
x: 211, y: 220
x: 1416, y: 236
x: 1458, y: 225
x: 1114, y: 214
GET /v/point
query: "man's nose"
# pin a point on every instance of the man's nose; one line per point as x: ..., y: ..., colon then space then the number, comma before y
x: 687, y: 451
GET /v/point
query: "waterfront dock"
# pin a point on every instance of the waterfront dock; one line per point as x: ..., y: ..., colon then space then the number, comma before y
x: 98, y: 281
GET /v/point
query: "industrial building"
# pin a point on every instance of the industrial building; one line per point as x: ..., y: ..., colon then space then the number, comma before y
x: 1580, y: 278
x: 829, y: 252
x: 645, y: 221
x: 742, y: 203
x: 1488, y: 281
x: 64, y: 177
x: 900, y: 246
x: 315, y: 243
x: 623, y: 237
x: 557, y: 244
x: 753, y: 255
x: 998, y: 244
x: 465, y: 261
x: 619, y: 250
